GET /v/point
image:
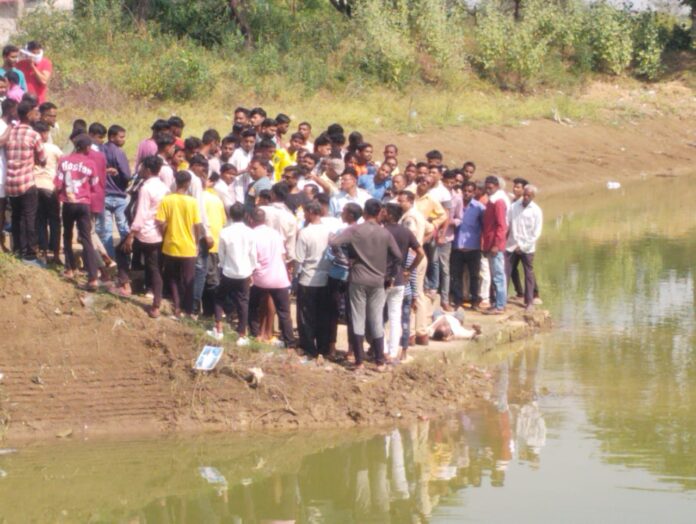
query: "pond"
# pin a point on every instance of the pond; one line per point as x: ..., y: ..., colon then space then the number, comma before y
x: 595, y: 421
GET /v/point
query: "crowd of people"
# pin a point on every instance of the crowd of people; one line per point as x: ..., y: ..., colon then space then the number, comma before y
x: 239, y: 225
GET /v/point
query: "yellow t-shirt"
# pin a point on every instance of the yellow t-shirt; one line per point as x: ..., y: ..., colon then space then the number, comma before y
x: 282, y: 159
x: 180, y: 213
x: 215, y: 211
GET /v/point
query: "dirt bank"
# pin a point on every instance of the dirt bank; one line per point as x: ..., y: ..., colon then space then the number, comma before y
x: 75, y: 367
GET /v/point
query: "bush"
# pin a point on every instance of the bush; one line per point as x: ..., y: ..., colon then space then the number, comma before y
x: 609, y: 32
x: 648, y: 46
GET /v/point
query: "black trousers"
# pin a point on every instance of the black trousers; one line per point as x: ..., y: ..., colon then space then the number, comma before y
x: 517, y: 284
x: 48, y: 220
x: 527, y: 259
x: 339, y: 302
x: 472, y: 261
x: 79, y: 214
x: 152, y: 253
x: 313, y: 305
x: 281, y: 301
x: 179, y: 273
x: 236, y: 292
x: 24, y: 209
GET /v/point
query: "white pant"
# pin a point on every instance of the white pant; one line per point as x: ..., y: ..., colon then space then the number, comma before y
x: 485, y: 273
x: 395, y: 298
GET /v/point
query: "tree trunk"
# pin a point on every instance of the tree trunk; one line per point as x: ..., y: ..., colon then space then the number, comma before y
x: 237, y: 9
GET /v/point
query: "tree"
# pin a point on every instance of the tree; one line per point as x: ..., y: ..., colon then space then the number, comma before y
x: 238, y: 12
x: 692, y: 5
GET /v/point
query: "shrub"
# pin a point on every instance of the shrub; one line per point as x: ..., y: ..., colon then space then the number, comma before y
x: 609, y: 34
x: 648, y: 45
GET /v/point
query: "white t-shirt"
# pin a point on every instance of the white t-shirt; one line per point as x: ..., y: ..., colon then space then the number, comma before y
x: 240, y: 159
x: 309, y: 254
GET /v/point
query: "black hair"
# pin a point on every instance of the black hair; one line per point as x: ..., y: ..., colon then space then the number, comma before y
x: 469, y: 183
x: 323, y: 198
x: 363, y: 146
x: 199, y: 160
x: 372, y: 207
x: 244, y: 110
x: 160, y: 125
x: 163, y: 140
x: 450, y: 173
x: 12, y: 77
x: 266, y: 143
x: 97, y: 128
x: 47, y: 106
x: 28, y: 97
x: 314, y: 157
x: 249, y: 131
x: 33, y: 45
x: 354, y: 139
x: 224, y: 168
x: 408, y: 194
x: 82, y: 142
x: 8, y: 105
x: 210, y: 136
x: 469, y: 163
x: 354, y: 210
x: 192, y: 143
x: 229, y: 139
x: 282, y: 118
x: 305, y: 123
x: 9, y: 49
x: 280, y: 191
x: 265, y: 194
x: 322, y: 140
x: 394, y: 211
x: 268, y: 122
x: 262, y: 162
x: 176, y: 121
x: 237, y: 212
x: 350, y: 171
x: 153, y: 163
x: 79, y: 123
x: 114, y: 130
x: 258, y: 111
x: 433, y: 155
x: 41, y: 127
x: 334, y: 129
x: 337, y: 139
x: 257, y: 215
x: 492, y: 180
x: 214, y: 176
x: 182, y: 178
x: 312, y: 208
x: 519, y: 180
x: 297, y: 136
x: 24, y: 108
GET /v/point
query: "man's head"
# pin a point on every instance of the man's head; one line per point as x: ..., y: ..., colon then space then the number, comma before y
x: 398, y: 183
x: 34, y: 46
x: 518, y: 187
x: 434, y: 158
x: 150, y: 166
x: 469, y: 170
x: 333, y: 167
x: 449, y: 179
x: 305, y: 129
x: 405, y: 200
x: 364, y: 153
x: 296, y: 142
x: 435, y: 173
x: 48, y: 113
x: 422, y: 168
x: 492, y: 184
x: 183, y: 180
x: 410, y: 172
x: 312, y: 211
x: 10, y: 56
x: 259, y: 168
x: 199, y: 165
x: 279, y: 192
x: 383, y: 173
x: 248, y: 140
x: 269, y: 127
x: 176, y: 126
x: 309, y: 162
x: 351, y: 213
x: 392, y: 162
x: 390, y: 151
x: 42, y: 129
x: 263, y: 198
x: 283, y: 124
x: 468, y: 191
x: 165, y: 144
x: 116, y: 135
x: 322, y: 146
x: 192, y: 146
x: 82, y: 143
x: 349, y: 180
x: 237, y: 212
x: 373, y: 208
x: 349, y: 160
x: 159, y: 126
x: 97, y: 132
x: 324, y: 200
x: 256, y: 116
x: 265, y: 149
x: 392, y: 213
x: 423, y: 184
x: 291, y: 176
x: 228, y: 173
x: 241, y: 116
x: 227, y: 147
x: 528, y: 194
x: 9, y: 109
x: 211, y: 141
x: 257, y: 217
x: 27, y: 112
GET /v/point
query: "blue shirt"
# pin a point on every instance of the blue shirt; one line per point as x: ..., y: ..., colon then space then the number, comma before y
x: 22, y: 80
x: 376, y: 190
x: 468, y: 235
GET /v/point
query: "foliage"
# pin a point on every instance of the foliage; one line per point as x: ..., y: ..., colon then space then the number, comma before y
x: 648, y: 46
x: 609, y: 33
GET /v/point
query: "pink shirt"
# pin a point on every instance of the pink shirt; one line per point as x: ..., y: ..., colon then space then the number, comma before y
x: 150, y: 195
x: 15, y: 93
x: 270, y: 273
x: 146, y: 148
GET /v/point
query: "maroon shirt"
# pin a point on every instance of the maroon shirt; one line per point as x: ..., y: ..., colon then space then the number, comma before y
x: 99, y: 190
x: 76, y: 174
x: 494, y: 230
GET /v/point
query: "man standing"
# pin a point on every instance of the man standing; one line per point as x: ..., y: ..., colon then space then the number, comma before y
x: 179, y: 221
x: 526, y: 221
x: 493, y: 237
x: 377, y: 184
x: 237, y: 251
x: 260, y: 172
x: 373, y: 248
x: 48, y: 208
x: 240, y: 159
x: 406, y: 241
x: 270, y: 278
x: 118, y: 174
x: 24, y: 150
x: 313, y: 300
x: 76, y: 177
x: 148, y: 147
x: 466, y: 252
x: 437, y: 279
x: 37, y: 70
x: 9, y: 113
x: 349, y: 193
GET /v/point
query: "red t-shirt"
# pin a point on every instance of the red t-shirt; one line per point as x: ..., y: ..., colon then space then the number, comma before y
x: 99, y: 189
x: 76, y: 173
x: 34, y: 85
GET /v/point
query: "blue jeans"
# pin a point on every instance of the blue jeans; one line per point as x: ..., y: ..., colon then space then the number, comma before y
x: 406, y: 321
x: 201, y: 273
x: 497, y: 263
x: 438, y: 277
x: 116, y: 206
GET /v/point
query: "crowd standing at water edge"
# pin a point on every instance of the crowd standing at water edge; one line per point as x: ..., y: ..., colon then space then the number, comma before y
x: 245, y: 224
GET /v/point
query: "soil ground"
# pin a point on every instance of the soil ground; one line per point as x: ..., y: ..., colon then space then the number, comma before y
x: 79, y: 365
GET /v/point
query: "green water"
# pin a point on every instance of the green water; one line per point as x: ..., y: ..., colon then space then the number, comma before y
x: 594, y: 422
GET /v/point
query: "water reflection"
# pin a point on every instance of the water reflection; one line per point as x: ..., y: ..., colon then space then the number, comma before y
x: 400, y: 476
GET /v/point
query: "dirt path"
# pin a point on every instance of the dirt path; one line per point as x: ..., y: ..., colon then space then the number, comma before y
x: 76, y: 368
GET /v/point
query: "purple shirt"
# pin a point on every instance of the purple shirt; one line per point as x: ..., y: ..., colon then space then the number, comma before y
x: 468, y: 235
x: 116, y: 158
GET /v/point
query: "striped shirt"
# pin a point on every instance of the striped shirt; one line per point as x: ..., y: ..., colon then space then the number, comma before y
x: 23, y: 147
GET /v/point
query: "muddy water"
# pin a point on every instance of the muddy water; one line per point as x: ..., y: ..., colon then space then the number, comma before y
x: 595, y: 422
